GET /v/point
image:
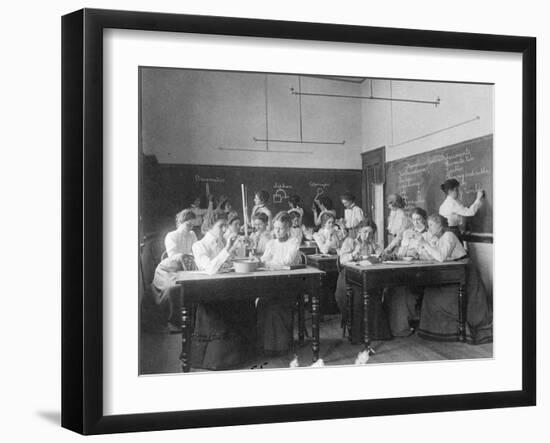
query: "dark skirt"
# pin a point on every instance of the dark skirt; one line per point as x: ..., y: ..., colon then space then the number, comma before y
x: 224, y: 335
x: 378, y: 319
x: 439, y: 314
x: 403, y: 307
x: 275, y: 325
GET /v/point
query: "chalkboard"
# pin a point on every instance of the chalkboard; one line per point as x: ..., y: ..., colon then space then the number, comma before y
x: 418, y: 178
x: 168, y: 189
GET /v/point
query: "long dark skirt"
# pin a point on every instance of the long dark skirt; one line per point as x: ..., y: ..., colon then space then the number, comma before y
x: 403, y: 307
x: 275, y: 325
x: 224, y: 336
x: 379, y: 327
x: 439, y: 314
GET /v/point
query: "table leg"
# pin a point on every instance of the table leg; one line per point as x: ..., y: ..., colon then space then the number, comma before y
x: 301, y: 322
x: 185, y: 356
x: 461, y: 313
x: 366, y: 337
x: 315, y: 321
x: 348, y: 315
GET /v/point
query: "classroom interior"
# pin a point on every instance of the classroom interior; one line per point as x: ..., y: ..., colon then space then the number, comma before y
x: 309, y: 135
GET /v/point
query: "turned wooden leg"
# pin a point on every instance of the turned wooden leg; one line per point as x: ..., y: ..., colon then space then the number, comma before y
x: 315, y: 322
x: 301, y: 322
x: 348, y: 315
x: 366, y: 336
x: 185, y: 356
x: 461, y: 313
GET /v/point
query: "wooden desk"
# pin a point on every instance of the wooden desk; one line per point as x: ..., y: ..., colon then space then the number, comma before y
x: 307, y: 250
x: 323, y: 262
x: 328, y: 264
x: 384, y: 275
x: 197, y: 286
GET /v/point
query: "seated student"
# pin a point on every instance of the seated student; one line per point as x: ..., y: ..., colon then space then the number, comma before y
x: 439, y: 314
x: 320, y: 206
x: 295, y: 226
x: 275, y: 333
x: 354, y: 249
x: 295, y: 205
x: 164, y: 289
x: 233, y: 229
x: 260, y: 200
x: 398, y: 222
x: 261, y: 235
x: 181, y: 240
x: 403, y: 303
x: 328, y: 238
x: 226, y: 206
x: 199, y: 212
x: 224, y: 334
x: 353, y: 214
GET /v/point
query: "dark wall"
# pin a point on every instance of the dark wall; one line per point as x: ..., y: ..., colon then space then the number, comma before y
x: 168, y: 189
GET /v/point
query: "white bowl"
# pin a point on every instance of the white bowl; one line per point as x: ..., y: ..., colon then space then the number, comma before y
x: 245, y: 265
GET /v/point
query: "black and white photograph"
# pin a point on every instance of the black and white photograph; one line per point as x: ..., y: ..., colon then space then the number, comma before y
x: 291, y: 220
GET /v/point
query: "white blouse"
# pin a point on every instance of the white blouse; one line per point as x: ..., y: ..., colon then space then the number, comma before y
x: 351, y: 247
x: 210, y: 254
x: 327, y: 241
x: 259, y: 241
x: 353, y: 216
x: 398, y: 223
x: 281, y: 253
x: 454, y: 211
x: 409, y: 246
x: 445, y: 248
x: 179, y: 242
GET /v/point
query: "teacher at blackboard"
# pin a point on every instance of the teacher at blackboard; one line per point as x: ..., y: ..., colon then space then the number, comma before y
x: 453, y: 210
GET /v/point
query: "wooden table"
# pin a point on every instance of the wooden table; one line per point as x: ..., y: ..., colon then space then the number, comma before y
x: 385, y: 275
x: 328, y: 264
x: 307, y: 250
x: 197, y: 286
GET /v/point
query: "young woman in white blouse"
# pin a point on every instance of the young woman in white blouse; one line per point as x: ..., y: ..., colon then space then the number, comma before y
x: 353, y: 214
x: 296, y: 229
x: 439, y: 314
x: 233, y: 230
x: 398, y: 221
x: 355, y: 249
x: 181, y: 240
x: 260, y: 206
x: 328, y: 238
x: 320, y: 206
x: 453, y: 210
x: 275, y: 333
x: 261, y: 235
x: 224, y: 331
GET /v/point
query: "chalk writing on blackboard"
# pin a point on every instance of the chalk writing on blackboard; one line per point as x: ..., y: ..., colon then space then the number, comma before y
x: 200, y: 179
x: 321, y: 188
x: 279, y: 195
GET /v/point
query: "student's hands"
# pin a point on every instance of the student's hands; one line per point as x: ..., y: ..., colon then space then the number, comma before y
x: 231, y: 242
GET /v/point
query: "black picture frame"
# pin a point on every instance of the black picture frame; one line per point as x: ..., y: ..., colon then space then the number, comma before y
x: 82, y: 216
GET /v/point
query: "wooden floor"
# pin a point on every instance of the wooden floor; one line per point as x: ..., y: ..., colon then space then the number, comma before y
x: 159, y: 351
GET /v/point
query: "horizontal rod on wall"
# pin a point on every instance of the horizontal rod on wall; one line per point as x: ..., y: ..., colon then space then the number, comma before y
x: 477, y: 117
x: 311, y: 142
x: 362, y: 97
x: 264, y: 151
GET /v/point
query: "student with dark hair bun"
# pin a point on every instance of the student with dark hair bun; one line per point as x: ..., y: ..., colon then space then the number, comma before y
x: 294, y: 202
x: 439, y: 314
x: 322, y: 205
x: 398, y: 222
x: 353, y: 214
x: 181, y: 240
x: 260, y: 201
x: 453, y: 210
x: 275, y: 328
